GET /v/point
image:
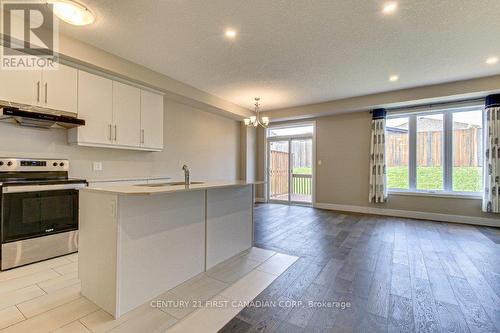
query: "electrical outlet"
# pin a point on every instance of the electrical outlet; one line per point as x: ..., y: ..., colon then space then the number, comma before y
x: 97, y: 166
x: 320, y: 162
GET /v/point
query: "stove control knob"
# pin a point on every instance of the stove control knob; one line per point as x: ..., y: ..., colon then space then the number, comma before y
x: 1, y: 163
x: 9, y: 163
x: 54, y: 164
x: 61, y: 164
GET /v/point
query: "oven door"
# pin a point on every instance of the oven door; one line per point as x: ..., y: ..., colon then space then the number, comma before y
x: 39, y: 210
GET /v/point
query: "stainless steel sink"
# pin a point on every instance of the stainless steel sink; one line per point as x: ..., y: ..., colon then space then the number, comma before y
x: 169, y: 184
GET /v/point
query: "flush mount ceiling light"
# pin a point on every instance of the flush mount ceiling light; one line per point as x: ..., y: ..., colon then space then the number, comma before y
x: 492, y: 60
x: 72, y: 12
x: 389, y: 7
x: 230, y: 33
x: 393, y: 78
x: 257, y: 120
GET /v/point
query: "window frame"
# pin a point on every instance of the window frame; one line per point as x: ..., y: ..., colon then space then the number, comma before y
x: 447, y: 150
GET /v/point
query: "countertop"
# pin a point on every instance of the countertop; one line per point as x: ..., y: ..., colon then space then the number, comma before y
x: 136, y: 179
x: 151, y: 190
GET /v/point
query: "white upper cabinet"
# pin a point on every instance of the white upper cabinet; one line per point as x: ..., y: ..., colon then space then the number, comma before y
x: 21, y: 86
x: 59, y: 90
x: 54, y: 89
x: 151, y: 120
x: 95, y: 106
x: 126, y: 115
x: 117, y: 115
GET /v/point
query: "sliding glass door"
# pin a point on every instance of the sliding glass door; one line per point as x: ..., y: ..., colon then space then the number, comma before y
x: 301, y: 177
x: 290, y: 169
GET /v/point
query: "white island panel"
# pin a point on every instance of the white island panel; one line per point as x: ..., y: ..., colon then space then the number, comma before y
x: 162, y: 244
x: 229, y: 222
x: 97, y: 252
x: 137, y: 242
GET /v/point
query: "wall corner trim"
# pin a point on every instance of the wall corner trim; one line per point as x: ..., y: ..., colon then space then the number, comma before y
x: 481, y: 221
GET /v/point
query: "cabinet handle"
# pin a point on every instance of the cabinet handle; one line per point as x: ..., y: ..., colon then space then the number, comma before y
x: 109, y: 132
x: 46, y: 87
x: 142, y: 135
x: 116, y: 135
x: 38, y: 91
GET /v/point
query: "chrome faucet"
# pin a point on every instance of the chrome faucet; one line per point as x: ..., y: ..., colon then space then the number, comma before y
x: 186, y: 175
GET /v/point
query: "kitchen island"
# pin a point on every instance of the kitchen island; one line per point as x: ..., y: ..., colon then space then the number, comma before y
x: 138, y: 241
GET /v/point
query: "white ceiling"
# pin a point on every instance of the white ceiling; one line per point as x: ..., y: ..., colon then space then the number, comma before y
x: 295, y: 52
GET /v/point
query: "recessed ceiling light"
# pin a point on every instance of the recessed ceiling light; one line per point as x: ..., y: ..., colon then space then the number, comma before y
x: 492, y: 60
x: 72, y: 12
x: 390, y: 7
x: 393, y: 78
x: 230, y: 33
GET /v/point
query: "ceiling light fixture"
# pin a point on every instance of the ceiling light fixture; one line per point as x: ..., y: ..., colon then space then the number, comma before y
x: 72, y: 12
x: 257, y: 120
x: 492, y: 60
x: 390, y: 7
x: 393, y: 78
x: 230, y: 33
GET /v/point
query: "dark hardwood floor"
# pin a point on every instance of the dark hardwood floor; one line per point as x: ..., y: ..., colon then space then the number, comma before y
x: 396, y: 275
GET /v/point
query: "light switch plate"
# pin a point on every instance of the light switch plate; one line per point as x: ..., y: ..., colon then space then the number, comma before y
x: 97, y: 166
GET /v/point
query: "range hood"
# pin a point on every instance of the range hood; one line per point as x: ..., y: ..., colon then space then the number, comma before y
x: 39, y: 119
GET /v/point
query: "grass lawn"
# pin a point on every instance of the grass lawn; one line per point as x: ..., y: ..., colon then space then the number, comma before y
x: 465, y: 179
x: 303, y: 171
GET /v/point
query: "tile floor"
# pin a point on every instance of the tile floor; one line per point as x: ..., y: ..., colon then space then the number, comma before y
x: 45, y: 297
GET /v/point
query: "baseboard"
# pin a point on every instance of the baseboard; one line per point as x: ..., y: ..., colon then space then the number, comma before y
x: 260, y: 199
x: 482, y: 221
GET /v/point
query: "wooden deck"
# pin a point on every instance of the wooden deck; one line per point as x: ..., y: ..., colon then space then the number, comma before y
x: 294, y: 197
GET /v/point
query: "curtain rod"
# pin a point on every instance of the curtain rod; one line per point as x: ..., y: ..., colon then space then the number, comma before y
x: 409, y: 108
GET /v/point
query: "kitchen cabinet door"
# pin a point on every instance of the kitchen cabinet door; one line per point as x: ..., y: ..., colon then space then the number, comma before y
x: 21, y: 86
x: 60, y: 89
x: 126, y: 115
x: 151, y: 120
x: 95, y: 106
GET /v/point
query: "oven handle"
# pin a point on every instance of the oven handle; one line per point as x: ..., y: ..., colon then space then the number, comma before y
x: 40, y: 188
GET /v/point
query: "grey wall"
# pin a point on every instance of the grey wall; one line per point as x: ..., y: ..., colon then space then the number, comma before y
x: 343, y: 146
x: 207, y: 142
x: 248, y: 152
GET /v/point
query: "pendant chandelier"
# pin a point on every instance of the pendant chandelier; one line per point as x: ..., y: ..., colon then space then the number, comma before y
x: 257, y: 120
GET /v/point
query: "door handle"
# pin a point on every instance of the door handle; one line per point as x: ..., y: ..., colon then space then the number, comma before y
x: 40, y: 188
x: 46, y: 87
x: 38, y: 91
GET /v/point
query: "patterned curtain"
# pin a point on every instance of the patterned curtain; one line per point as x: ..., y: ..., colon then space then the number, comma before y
x: 491, y: 199
x: 378, y: 178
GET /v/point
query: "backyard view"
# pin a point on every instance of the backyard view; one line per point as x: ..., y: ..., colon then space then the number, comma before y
x: 466, y: 146
x: 301, y: 177
x: 465, y: 179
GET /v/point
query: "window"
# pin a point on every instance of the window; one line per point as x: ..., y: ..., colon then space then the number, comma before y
x: 397, y: 146
x: 430, y: 168
x: 468, y: 151
x: 437, y: 152
x: 305, y: 130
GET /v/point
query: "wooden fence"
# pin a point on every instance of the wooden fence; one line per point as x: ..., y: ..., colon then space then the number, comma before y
x: 467, y: 147
x: 278, y: 172
x: 279, y: 166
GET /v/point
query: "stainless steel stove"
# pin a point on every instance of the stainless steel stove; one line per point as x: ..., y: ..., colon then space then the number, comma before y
x: 38, y: 210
